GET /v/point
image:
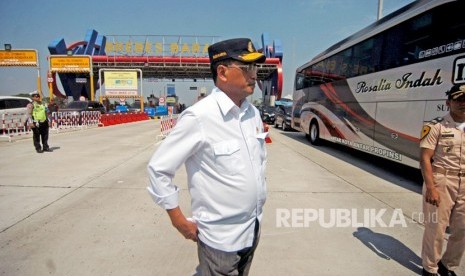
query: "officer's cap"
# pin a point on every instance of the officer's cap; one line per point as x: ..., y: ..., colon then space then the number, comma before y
x: 240, y: 49
x: 34, y: 93
x: 456, y: 91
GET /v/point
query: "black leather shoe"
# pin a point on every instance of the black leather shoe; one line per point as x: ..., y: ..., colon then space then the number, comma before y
x: 443, y: 271
x: 39, y: 151
x: 426, y: 273
x: 48, y: 150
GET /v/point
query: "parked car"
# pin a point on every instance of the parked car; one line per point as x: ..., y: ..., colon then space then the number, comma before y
x: 78, y: 106
x: 10, y: 104
x: 16, y: 107
x: 267, y: 113
x: 283, y: 101
x: 283, y: 117
x: 134, y: 107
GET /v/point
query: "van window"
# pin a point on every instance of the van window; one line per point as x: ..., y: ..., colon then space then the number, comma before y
x: 13, y: 103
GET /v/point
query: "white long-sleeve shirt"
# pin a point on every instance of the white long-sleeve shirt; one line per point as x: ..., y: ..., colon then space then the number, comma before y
x: 223, y: 149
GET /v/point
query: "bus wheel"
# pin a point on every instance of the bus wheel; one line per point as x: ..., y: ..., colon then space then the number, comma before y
x: 314, y: 133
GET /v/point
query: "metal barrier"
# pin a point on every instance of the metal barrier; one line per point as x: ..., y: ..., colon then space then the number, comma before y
x: 166, y: 125
x: 14, y: 124
x: 74, y: 120
x: 90, y: 118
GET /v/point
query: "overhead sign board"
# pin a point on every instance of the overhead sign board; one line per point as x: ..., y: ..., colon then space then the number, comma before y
x: 70, y: 64
x: 120, y: 83
x: 18, y: 58
x: 158, y: 45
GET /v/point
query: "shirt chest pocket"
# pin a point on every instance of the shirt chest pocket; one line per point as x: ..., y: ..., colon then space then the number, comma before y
x: 228, y: 157
x: 450, y: 148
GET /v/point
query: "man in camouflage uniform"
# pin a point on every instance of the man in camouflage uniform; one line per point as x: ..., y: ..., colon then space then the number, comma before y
x: 443, y: 168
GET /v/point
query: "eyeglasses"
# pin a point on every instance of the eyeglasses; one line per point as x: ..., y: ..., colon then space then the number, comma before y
x: 248, y: 68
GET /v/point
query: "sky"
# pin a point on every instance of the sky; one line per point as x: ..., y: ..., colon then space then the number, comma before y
x: 304, y: 27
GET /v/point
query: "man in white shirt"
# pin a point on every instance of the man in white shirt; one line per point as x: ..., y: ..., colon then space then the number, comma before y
x: 221, y: 141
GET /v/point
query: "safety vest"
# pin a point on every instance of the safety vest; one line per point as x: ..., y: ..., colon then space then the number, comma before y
x: 39, y: 113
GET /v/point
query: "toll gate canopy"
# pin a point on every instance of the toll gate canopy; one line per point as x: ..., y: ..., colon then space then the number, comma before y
x: 157, y: 57
x: 172, y: 68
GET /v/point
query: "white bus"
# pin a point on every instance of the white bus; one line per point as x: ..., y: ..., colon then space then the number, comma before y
x: 374, y: 90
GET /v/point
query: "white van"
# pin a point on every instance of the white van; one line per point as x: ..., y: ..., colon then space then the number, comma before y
x: 15, y: 107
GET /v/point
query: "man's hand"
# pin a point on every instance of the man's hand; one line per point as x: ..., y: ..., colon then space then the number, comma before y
x: 432, y: 196
x: 187, y: 228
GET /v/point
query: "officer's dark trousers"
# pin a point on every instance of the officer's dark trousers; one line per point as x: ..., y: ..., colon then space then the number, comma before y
x: 40, y: 132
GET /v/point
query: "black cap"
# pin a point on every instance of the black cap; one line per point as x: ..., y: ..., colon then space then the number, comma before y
x: 240, y: 49
x: 456, y: 91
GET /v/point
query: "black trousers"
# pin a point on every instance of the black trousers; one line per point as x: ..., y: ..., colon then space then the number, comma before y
x: 40, y: 132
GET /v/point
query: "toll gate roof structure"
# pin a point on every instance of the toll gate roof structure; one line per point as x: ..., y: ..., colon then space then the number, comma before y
x: 163, y: 57
x: 197, y: 68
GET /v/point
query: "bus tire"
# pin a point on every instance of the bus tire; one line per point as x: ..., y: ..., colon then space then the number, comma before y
x: 314, y: 133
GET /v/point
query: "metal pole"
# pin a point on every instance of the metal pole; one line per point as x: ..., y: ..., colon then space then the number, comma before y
x: 91, y: 80
x: 39, y: 83
x: 39, y: 86
x: 91, y: 85
x: 50, y: 85
x: 380, y: 9
x: 141, y: 97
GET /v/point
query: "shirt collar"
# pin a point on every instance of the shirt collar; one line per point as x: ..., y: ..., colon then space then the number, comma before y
x: 226, y: 104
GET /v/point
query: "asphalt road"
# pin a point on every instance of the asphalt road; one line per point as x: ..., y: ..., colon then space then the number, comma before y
x: 84, y: 210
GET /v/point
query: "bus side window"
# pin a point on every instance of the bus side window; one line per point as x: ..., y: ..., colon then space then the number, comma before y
x: 301, y: 81
x: 308, y: 77
x: 367, y: 56
x: 392, y: 48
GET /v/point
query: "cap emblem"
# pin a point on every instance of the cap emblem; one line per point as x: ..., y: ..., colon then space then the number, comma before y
x: 250, y: 47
